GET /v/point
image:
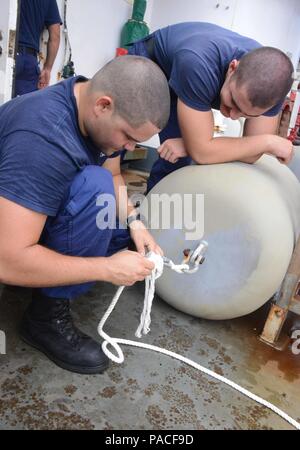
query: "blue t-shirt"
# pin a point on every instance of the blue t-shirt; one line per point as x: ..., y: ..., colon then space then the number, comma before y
x: 195, y: 57
x: 34, y: 16
x: 41, y: 147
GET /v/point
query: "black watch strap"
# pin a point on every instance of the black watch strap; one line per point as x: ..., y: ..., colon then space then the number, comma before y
x: 132, y: 218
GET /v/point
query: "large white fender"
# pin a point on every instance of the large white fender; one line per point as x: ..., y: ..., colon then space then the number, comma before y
x: 252, y: 220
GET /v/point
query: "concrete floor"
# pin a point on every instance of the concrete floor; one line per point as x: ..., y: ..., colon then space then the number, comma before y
x: 149, y: 391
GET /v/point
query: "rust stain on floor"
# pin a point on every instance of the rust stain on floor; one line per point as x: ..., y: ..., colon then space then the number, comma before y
x: 23, y: 408
x: 149, y: 391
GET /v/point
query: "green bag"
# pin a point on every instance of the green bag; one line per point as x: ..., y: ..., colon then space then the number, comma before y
x: 135, y: 28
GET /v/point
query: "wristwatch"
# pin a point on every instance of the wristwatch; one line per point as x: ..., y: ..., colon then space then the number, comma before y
x: 132, y: 218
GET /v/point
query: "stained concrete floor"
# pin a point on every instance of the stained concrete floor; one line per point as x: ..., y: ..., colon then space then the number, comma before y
x: 149, y: 391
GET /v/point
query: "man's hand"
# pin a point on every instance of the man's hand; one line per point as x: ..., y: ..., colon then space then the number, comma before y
x: 125, y: 268
x: 281, y: 148
x: 44, y: 78
x: 52, y: 49
x: 143, y: 240
x: 172, y: 149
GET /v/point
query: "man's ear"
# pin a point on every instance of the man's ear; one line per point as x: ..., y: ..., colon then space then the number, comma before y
x: 104, y: 104
x: 233, y: 66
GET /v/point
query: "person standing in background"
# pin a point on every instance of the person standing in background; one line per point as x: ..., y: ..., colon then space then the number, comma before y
x: 35, y: 15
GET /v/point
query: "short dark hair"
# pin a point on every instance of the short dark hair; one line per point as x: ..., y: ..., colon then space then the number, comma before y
x: 139, y: 89
x: 267, y: 75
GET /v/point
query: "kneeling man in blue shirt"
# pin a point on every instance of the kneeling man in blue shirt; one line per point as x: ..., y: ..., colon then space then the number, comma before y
x: 60, y: 187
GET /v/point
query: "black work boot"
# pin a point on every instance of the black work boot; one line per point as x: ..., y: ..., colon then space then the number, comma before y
x: 47, y: 325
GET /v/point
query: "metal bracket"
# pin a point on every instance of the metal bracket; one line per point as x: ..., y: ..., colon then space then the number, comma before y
x: 192, y: 259
x: 195, y: 257
x: 287, y: 299
x: 273, y: 327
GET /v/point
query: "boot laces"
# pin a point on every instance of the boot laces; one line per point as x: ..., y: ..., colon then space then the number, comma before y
x: 63, y: 319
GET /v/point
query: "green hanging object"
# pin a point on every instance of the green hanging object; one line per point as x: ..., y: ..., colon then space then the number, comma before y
x: 135, y: 28
x: 68, y: 70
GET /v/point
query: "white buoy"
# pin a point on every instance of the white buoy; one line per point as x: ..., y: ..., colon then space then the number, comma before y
x: 251, y: 223
x: 294, y: 165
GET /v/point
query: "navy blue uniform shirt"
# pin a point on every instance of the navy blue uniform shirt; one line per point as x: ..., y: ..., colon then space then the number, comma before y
x: 195, y: 56
x: 41, y: 147
x: 34, y: 16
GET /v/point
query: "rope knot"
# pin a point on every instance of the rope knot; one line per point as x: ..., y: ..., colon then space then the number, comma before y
x: 145, y: 320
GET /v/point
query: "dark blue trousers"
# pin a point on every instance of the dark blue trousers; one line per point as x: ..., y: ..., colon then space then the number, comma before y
x: 27, y: 73
x: 75, y: 232
x: 161, y: 167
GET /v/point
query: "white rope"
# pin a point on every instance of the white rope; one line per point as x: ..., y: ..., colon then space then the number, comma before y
x: 144, y: 328
x: 179, y: 268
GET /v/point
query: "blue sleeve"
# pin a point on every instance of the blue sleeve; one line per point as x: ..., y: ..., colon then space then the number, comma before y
x: 193, y: 81
x: 274, y: 111
x: 34, y: 173
x: 52, y: 16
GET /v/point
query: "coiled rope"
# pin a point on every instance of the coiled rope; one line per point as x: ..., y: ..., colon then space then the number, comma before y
x: 144, y: 328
